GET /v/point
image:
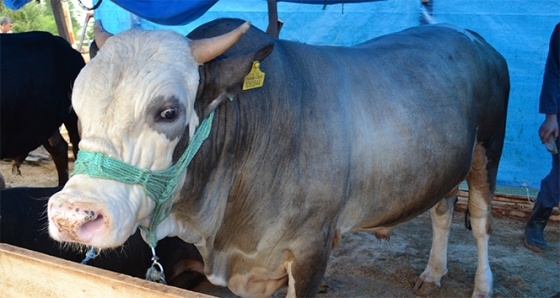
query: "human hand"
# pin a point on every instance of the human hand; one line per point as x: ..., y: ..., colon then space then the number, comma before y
x: 549, y: 128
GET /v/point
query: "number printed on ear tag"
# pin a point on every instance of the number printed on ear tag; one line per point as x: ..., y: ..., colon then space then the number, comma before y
x: 255, y: 78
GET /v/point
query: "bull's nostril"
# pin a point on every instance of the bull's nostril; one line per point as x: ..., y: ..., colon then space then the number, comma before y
x: 94, y: 224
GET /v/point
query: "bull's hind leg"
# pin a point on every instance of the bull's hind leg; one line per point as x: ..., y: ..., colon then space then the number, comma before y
x: 482, y: 183
x: 442, y: 217
x: 58, y: 148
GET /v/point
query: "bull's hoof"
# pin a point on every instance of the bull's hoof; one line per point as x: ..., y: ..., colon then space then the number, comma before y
x: 424, y: 288
x: 16, y: 171
x: 481, y: 295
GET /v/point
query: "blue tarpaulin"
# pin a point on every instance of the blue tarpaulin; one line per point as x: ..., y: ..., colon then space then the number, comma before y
x: 15, y: 4
x: 175, y: 12
x: 332, y: 25
x: 169, y: 12
x: 181, y: 12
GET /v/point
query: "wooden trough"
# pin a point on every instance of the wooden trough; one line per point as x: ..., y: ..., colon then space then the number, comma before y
x: 25, y: 273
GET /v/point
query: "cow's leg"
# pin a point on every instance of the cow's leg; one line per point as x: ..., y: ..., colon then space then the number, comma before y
x: 442, y: 217
x: 16, y: 163
x: 58, y: 148
x: 482, y: 182
x: 71, y: 124
x: 2, y: 182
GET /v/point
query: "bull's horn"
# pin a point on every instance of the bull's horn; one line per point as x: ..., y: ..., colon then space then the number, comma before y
x: 207, y: 49
x: 99, y: 33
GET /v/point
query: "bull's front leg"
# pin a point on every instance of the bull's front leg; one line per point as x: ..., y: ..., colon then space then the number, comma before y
x: 442, y: 217
x: 307, y: 269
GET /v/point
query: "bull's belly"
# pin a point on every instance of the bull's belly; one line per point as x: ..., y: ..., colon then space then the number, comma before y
x: 394, y: 179
x: 380, y: 211
x: 397, y: 187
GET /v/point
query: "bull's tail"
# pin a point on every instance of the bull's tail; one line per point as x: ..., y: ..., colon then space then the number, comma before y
x: 468, y: 220
x: 427, y: 17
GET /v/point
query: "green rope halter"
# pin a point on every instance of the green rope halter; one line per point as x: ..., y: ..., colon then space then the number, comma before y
x: 158, y: 185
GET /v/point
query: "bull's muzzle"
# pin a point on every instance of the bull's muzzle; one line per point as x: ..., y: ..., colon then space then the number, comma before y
x: 75, y: 222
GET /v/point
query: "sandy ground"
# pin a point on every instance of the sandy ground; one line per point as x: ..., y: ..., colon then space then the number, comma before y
x: 362, y: 266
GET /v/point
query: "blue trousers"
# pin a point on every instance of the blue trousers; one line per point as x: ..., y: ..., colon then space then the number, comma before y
x: 549, y: 195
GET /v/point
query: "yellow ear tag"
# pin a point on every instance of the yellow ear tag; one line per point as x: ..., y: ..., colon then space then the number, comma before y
x: 255, y: 78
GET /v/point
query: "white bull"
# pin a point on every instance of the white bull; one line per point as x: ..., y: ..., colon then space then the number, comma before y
x: 337, y: 139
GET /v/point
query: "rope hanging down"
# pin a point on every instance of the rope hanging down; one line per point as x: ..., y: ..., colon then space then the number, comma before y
x: 158, y: 185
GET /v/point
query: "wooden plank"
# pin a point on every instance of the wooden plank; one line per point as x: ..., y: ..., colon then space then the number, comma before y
x: 508, y: 205
x: 25, y: 273
x: 61, y: 15
x: 504, y: 197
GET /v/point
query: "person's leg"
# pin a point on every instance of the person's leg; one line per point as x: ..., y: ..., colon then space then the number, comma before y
x: 548, y: 198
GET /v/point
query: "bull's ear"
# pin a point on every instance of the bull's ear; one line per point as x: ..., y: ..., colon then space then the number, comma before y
x: 223, y: 78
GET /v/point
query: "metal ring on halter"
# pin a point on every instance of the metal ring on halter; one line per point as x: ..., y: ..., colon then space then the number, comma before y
x: 158, y: 264
x: 153, y: 274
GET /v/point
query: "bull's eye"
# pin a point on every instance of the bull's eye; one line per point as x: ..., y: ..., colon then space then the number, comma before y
x: 169, y: 114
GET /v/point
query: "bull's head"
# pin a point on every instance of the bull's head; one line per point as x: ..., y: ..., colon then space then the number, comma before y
x: 134, y: 101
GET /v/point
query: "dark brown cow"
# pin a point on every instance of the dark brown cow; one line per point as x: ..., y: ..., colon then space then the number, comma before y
x: 36, y: 77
